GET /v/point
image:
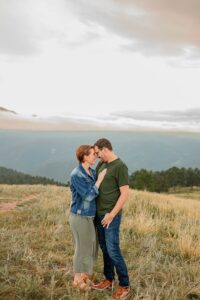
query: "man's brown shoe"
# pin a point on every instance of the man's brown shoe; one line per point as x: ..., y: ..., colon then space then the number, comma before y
x: 103, y: 285
x: 122, y: 293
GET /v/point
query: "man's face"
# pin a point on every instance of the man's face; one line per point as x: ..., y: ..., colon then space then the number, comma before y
x: 101, y: 153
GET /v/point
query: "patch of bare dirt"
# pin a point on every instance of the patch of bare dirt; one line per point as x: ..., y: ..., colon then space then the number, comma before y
x: 29, y: 197
x: 5, y: 206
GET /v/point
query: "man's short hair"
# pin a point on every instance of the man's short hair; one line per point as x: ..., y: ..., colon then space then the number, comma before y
x: 101, y: 143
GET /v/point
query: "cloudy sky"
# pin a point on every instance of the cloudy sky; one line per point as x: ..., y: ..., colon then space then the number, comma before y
x: 101, y: 57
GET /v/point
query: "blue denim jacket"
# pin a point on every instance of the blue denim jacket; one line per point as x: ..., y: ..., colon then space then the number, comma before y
x: 84, y: 192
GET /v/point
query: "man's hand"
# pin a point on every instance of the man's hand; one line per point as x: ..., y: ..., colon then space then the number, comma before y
x: 107, y: 220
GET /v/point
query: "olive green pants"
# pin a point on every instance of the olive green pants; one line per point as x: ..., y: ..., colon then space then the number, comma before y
x: 85, y: 243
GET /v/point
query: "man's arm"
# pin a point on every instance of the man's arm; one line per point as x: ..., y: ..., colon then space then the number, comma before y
x: 124, y: 190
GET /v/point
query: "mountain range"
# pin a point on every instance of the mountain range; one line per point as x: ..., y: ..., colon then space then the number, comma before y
x: 52, y: 153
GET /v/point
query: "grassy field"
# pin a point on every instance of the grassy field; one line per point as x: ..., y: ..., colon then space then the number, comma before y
x: 160, y: 239
x: 186, y: 192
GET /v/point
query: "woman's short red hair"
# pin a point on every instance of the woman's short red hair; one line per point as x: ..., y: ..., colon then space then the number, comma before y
x: 83, y: 150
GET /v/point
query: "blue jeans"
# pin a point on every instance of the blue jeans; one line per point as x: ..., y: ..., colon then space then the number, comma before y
x: 109, y: 244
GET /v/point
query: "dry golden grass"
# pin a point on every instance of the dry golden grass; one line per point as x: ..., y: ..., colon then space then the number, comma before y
x: 160, y: 239
x: 187, y: 192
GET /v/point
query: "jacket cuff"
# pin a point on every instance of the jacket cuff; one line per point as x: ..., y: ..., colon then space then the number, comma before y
x: 96, y: 190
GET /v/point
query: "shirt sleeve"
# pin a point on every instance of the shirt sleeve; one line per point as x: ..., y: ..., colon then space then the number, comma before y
x: 122, y: 175
x: 86, y: 190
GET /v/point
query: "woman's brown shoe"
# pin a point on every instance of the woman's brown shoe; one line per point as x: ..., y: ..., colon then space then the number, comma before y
x: 84, y: 284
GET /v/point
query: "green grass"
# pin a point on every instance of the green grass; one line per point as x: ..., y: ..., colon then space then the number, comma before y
x: 160, y: 240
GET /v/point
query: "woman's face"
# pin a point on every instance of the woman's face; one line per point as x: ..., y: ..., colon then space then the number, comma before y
x: 91, y: 158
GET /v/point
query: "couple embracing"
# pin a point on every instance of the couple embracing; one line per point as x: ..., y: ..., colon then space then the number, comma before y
x: 97, y: 201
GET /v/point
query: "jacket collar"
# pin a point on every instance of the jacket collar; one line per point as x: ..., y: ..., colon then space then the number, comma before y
x: 84, y: 172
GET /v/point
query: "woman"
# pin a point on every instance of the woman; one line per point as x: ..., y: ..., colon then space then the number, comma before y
x: 84, y: 187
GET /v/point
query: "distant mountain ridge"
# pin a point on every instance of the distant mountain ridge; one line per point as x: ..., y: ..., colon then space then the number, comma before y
x: 52, y: 154
x: 7, y: 110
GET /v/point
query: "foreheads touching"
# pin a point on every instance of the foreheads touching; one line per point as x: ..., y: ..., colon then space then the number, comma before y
x: 85, y: 152
x: 102, y: 148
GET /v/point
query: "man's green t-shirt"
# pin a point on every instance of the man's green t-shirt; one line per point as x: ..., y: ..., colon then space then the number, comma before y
x: 109, y: 191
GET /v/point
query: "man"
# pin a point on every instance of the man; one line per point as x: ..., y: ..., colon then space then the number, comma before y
x: 113, y: 194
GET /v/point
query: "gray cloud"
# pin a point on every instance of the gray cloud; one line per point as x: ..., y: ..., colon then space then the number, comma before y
x: 25, y: 24
x: 16, y: 32
x: 188, y: 116
x: 164, y: 27
x: 186, y: 120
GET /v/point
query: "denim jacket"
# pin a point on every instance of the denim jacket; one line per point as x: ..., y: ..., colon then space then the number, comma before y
x: 84, y: 192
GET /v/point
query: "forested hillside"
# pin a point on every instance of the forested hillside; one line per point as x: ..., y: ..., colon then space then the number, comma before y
x: 162, y: 181
x: 10, y: 176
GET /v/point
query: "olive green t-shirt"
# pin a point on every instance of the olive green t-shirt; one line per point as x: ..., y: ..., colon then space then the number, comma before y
x: 109, y: 191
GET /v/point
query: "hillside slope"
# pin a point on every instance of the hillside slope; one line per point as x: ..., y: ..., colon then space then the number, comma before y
x: 159, y: 237
x: 10, y: 176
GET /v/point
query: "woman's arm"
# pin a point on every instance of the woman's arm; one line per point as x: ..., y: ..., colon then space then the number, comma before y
x: 100, y: 178
x: 87, y: 191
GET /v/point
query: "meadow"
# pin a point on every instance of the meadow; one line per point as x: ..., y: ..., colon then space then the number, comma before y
x: 160, y: 239
x: 186, y: 192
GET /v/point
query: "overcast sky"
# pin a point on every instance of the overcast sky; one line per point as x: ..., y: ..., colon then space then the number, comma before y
x: 96, y: 57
